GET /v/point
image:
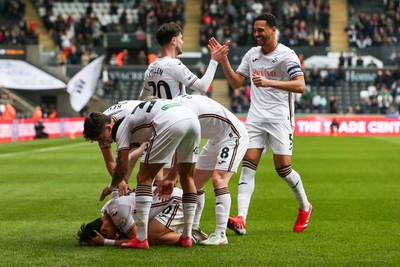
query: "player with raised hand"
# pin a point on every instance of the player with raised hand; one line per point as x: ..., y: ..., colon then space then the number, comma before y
x: 167, y: 77
x: 275, y: 75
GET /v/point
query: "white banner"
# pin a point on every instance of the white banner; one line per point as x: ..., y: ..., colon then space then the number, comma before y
x: 18, y: 74
x: 81, y: 87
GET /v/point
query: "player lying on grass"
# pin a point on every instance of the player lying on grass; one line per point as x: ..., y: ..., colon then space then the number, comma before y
x: 117, y: 224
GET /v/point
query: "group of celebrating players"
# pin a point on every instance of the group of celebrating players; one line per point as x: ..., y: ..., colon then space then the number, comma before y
x: 164, y: 129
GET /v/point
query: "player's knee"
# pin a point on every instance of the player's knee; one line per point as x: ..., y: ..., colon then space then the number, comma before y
x: 249, y: 164
x: 221, y: 178
x: 284, y: 171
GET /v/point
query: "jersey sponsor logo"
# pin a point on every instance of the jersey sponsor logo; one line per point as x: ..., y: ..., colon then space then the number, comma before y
x: 265, y: 73
x: 165, y: 107
x: 274, y: 60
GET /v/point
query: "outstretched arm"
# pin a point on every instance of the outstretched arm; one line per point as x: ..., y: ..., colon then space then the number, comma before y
x: 145, y: 93
x: 235, y: 80
x: 218, y: 53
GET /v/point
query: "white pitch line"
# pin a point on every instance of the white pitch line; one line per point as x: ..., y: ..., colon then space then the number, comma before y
x: 41, y: 150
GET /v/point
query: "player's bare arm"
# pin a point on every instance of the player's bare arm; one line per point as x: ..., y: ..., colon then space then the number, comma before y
x: 99, y: 240
x: 296, y: 85
x: 119, y: 173
x: 109, y: 159
x: 235, y: 80
x: 145, y: 93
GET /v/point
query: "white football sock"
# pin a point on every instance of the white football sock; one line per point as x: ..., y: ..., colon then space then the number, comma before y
x: 222, y: 208
x: 293, y: 179
x: 189, y: 202
x: 246, y: 189
x: 201, y: 199
x: 143, y: 199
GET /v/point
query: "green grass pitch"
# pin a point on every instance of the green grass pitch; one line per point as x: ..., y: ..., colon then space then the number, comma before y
x: 48, y: 188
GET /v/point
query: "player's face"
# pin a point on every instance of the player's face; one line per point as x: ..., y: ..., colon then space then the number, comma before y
x: 108, y: 229
x: 105, y: 137
x: 262, y: 32
x: 178, y: 44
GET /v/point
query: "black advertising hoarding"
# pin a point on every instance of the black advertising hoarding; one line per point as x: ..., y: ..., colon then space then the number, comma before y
x: 12, y: 52
x: 118, y: 40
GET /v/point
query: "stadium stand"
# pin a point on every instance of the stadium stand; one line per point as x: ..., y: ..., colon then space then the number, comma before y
x: 302, y: 23
x: 374, y: 23
x: 14, y: 29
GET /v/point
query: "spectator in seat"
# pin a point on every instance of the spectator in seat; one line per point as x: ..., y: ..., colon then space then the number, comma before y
x: 37, y: 113
x: 359, y: 61
x: 9, y: 112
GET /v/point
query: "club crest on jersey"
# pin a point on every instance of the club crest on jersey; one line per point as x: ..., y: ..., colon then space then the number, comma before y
x: 274, y: 60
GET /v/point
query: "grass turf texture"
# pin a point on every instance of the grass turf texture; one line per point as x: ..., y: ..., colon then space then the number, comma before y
x: 50, y: 187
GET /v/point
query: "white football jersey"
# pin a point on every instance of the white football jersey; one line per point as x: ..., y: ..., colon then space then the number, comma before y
x: 122, y: 109
x: 270, y: 104
x: 122, y: 209
x: 150, y: 118
x: 215, y: 119
x: 167, y: 78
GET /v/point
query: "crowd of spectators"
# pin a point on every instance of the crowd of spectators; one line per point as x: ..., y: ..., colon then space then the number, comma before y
x: 75, y: 36
x: 300, y: 23
x: 383, y: 96
x: 9, y: 111
x: 378, y: 28
x: 14, y: 30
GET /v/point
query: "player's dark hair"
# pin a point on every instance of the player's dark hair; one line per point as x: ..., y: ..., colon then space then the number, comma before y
x: 115, y: 129
x: 94, y: 125
x: 268, y: 17
x: 86, y: 232
x: 166, y: 31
